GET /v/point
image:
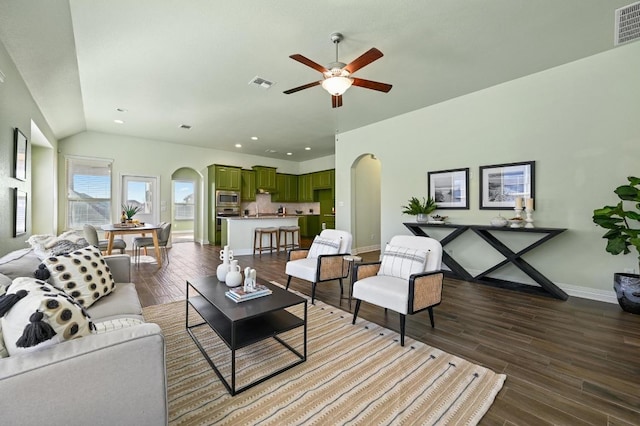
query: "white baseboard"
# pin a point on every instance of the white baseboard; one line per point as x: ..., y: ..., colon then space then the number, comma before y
x: 367, y: 249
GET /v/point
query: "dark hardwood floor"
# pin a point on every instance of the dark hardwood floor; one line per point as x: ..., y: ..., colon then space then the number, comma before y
x: 567, y: 363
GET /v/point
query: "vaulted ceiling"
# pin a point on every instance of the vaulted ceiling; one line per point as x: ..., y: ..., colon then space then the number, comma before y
x: 174, y: 62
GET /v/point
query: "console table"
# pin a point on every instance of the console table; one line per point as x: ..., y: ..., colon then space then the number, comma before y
x: 490, y: 234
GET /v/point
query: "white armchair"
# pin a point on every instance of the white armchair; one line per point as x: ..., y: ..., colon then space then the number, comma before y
x: 323, y: 261
x: 407, y: 279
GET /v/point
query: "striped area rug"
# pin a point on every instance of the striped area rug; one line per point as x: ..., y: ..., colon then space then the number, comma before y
x: 354, y: 374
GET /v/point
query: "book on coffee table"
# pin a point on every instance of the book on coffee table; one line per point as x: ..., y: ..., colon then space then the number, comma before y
x: 237, y: 294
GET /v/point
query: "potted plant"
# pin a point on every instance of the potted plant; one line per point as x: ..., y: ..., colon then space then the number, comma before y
x: 421, y: 209
x: 130, y: 210
x: 621, y: 237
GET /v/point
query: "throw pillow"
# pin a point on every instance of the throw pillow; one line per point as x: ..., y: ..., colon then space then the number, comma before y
x: 115, y: 324
x: 43, y: 317
x: 402, y: 262
x: 322, y: 246
x: 83, y: 274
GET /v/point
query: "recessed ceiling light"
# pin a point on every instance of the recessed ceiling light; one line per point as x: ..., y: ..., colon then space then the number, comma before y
x: 307, y: 149
x: 118, y: 121
x: 185, y: 126
x: 289, y: 153
x: 254, y: 138
x: 238, y: 145
x: 121, y: 109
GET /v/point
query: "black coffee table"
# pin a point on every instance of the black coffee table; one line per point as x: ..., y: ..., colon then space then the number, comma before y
x: 245, y: 323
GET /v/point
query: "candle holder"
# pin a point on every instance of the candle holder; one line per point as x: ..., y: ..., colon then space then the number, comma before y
x: 518, y: 212
x: 529, y: 218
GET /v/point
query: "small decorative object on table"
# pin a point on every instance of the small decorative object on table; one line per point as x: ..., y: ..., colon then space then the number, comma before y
x: 516, y: 222
x: 499, y: 221
x: 529, y: 212
x: 420, y: 209
x: 129, y: 210
x: 438, y: 219
x: 226, y: 256
x: 234, y: 276
x: 238, y: 294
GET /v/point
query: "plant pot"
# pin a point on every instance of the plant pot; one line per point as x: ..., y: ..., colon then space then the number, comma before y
x: 422, y: 217
x: 627, y: 287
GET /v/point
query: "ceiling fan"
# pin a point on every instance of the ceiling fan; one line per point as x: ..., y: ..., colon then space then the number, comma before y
x: 337, y: 77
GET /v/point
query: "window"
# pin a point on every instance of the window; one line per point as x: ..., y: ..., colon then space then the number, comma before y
x: 88, y: 192
x: 183, y: 202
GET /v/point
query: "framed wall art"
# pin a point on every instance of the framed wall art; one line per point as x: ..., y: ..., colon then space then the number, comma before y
x: 501, y: 184
x: 449, y: 188
x: 20, y: 159
x: 19, y: 212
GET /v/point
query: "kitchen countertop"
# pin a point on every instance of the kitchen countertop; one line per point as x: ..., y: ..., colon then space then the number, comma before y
x: 253, y: 217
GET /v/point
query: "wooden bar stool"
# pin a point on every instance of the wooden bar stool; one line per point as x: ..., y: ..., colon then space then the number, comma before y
x: 289, y: 230
x: 257, y: 240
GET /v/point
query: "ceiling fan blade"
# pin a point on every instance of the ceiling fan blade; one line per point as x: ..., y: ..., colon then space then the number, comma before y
x: 336, y: 101
x: 365, y: 59
x: 299, y: 88
x: 374, y: 85
x: 308, y: 62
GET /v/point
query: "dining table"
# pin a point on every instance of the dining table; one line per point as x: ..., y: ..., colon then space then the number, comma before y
x: 112, y: 230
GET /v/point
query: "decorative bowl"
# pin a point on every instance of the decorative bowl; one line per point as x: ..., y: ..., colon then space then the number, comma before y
x: 499, y: 221
x: 437, y: 218
x: 516, y: 223
x: 298, y: 211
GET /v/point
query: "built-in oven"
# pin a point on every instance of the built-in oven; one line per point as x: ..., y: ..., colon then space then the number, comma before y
x: 222, y: 212
x: 227, y: 199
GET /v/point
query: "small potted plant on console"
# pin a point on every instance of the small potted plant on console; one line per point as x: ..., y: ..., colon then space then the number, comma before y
x: 420, y: 209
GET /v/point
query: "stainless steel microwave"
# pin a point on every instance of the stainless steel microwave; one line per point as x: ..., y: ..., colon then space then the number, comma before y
x: 227, y: 198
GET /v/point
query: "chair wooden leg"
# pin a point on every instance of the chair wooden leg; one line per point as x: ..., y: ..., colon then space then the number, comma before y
x: 355, y: 311
x: 313, y: 293
x: 402, y: 324
x: 288, y: 282
x: 430, y: 308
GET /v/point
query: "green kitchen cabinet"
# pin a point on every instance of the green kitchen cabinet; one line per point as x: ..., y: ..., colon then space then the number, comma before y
x: 313, y: 226
x: 330, y: 222
x: 286, y: 188
x: 305, y: 188
x: 228, y: 178
x: 323, y: 180
x: 265, y: 177
x: 248, y: 192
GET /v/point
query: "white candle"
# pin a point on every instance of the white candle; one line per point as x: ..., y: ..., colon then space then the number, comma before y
x: 529, y: 203
x: 518, y: 202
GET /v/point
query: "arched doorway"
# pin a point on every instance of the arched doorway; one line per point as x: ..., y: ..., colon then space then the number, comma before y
x: 365, y: 192
x: 185, y: 205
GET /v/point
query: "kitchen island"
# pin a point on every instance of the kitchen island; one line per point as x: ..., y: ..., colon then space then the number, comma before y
x: 238, y: 231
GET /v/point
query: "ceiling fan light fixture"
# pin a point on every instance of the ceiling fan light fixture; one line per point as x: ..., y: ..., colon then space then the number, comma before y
x: 336, y: 86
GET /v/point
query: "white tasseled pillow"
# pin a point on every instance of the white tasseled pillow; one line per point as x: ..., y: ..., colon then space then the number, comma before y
x: 402, y: 262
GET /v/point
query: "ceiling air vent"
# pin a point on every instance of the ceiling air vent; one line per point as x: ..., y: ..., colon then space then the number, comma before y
x: 627, y: 24
x: 261, y: 82
x: 185, y: 126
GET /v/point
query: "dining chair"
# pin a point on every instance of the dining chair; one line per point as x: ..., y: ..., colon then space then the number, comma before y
x: 91, y: 235
x: 145, y: 242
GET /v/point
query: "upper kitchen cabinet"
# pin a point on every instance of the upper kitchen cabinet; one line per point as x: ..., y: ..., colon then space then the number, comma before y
x: 248, y: 192
x: 228, y: 178
x: 305, y: 188
x: 265, y: 178
x: 323, y: 180
x: 286, y: 188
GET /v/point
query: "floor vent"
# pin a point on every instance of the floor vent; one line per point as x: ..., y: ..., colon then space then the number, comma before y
x: 261, y: 82
x: 627, y: 24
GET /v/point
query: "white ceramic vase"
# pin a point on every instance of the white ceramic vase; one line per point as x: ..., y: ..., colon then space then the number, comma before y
x: 226, y: 256
x: 234, y: 277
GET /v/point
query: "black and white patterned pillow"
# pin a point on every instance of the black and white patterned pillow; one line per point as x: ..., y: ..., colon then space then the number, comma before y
x: 402, y: 262
x: 83, y: 274
x: 323, y: 246
x: 45, y: 316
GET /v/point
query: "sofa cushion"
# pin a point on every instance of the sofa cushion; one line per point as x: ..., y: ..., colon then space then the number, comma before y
x: 122, y: 302
x: 83, y: 274
x: 44, y: 317
x: 19, y: 263
x: 305, y: 269
x: 322, y: 246
x: 402, y: 262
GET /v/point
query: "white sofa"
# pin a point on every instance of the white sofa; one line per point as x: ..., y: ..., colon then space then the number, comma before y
x: 113, y: 378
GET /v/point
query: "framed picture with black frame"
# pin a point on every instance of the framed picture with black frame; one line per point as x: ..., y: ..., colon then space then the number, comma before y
x: 449, y: 188
x: 19, y: 212
x: 20, y: 158
x: 501, y: 184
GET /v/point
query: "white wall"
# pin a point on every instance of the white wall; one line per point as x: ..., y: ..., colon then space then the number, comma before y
x: 579, y: 122
x: 17, y: 109
x: 146, y: 157
x: 366, y: 204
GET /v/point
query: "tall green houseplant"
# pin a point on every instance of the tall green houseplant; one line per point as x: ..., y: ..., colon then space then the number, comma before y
x: 622, y: 235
